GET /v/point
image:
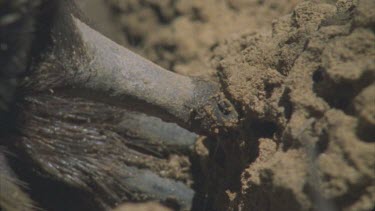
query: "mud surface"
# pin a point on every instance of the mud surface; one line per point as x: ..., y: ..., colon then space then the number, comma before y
x: 302, y: 79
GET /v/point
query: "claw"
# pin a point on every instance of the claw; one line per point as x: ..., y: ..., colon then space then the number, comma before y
x: 93, y: 66
x: 149, y: 184
x: 154, y: 133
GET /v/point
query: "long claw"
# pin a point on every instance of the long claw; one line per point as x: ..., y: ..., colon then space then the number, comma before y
x: 154, y: 133
x: 94, y: 66
x: 148, y: 183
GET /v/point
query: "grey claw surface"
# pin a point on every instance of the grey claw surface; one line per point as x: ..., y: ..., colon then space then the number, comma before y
x: 90, y: 65
x: 153, y: 132
x: 147, y: 183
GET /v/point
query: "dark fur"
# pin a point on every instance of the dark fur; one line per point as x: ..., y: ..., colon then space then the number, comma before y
x: 69, y: 150
x: 17, y: 20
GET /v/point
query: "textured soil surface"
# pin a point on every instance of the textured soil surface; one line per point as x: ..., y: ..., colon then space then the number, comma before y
x: 178, y: 34
x: 301, y: 75
x: 312, y: 81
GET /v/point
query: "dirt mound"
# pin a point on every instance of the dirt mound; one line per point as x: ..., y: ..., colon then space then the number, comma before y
x: 310, y: 88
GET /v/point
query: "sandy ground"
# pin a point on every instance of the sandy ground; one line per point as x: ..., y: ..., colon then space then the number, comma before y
x: 302, y: 79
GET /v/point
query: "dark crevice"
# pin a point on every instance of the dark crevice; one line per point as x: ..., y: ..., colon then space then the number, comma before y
x: 340, y: 95
x: 202, y: 200
x: 269, y: 88
x: 365, y: 131
x: 318, y: 75
x: 229, y: 159
x: 354, y: 195
x: 262, y: 128
x: 236, y: 160
x: 286, y: 104
x: 219, y: 156
x: 322, y: 144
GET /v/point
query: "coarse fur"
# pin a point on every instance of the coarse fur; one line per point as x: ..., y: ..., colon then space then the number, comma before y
x: 66, y: 147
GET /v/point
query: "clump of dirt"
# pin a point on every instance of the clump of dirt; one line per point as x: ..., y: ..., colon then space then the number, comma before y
x: 177, y: 34
x: 312, y: 83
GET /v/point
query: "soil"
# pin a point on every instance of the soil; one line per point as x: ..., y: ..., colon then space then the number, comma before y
x: 178, y: 34
x: 302, y: 78
x: 312, y: 79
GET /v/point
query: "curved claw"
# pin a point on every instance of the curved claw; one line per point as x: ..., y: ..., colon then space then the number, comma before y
x: 91, y: 65
x: 148, y: 183
x: 153, y: 132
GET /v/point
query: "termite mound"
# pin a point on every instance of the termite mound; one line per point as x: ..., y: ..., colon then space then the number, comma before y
x: 306, y: 93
